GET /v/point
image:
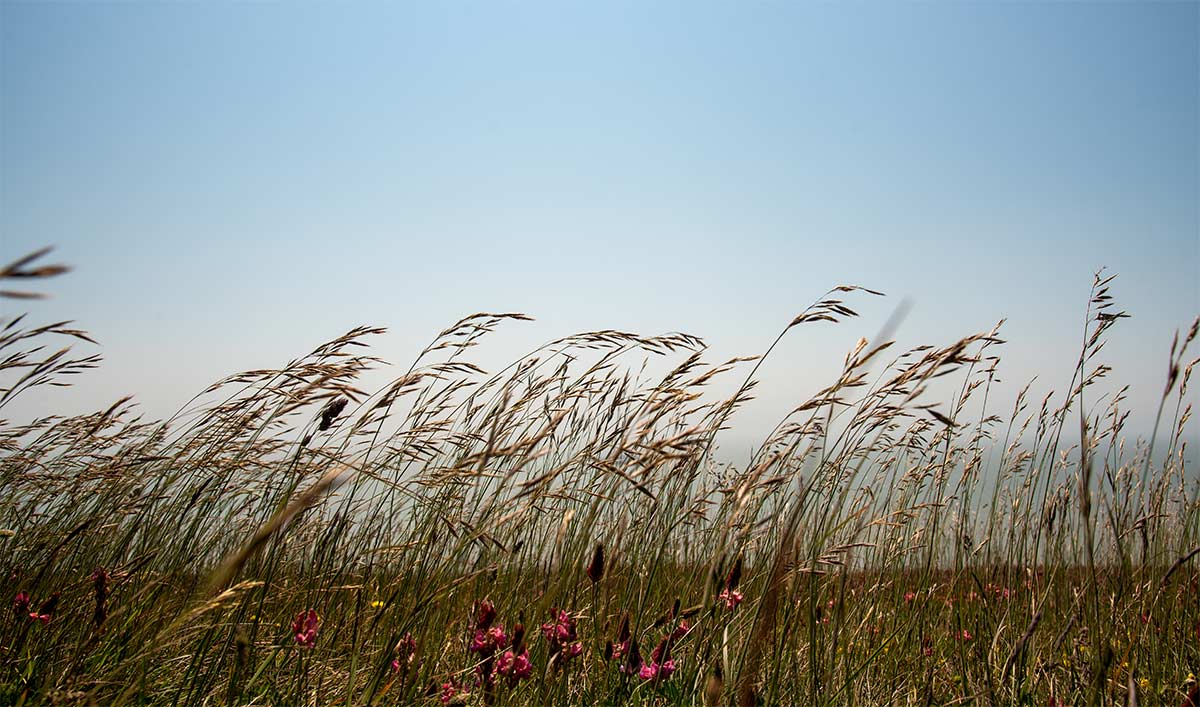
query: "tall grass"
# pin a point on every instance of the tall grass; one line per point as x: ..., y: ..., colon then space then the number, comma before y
x: 287, y: 538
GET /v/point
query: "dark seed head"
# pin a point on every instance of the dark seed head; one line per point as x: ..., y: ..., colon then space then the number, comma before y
x: 100, y: 584
x: 595, y: 569
x: 735, y: 574
x: 330, y: 413
x: 485, y: 614
x: 633, y: 660
x: 50, y: 605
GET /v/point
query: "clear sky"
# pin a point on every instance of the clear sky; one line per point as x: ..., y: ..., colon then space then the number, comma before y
x: 236, y: 183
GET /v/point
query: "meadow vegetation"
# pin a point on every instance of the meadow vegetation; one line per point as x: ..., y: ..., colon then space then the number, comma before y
x: 562, y: 532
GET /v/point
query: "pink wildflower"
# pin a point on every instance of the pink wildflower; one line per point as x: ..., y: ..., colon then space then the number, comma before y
x: 729, y: 595
x: 515, y: 665
x: 731, y: 598
x: 963, y: 635
x: 661, y: 664
x: 479, y: 642
x: 489, y: 641
x: 450, y: 689
x: 406, y: 653
x: 46, y: 611
x: 407, y: 647
x: 662, y: 659
x: 560, y: 634
x: 305, y: 627
x: 21, y: 603
x: 910, y: 596
x: 622, y: 646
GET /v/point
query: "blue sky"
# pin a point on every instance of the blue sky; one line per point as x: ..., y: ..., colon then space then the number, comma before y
x: 237, y: 182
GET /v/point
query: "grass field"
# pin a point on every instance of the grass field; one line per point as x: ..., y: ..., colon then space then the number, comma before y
x: 562, y: 532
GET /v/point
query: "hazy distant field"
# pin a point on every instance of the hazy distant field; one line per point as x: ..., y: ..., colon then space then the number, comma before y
x: 561, y: 531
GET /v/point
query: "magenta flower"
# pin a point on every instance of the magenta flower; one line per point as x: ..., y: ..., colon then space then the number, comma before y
x: 305, y: 627
x: 731, y: 598
x: 489, y: 641
x: 488, y: 638
x: 407, y: 647
x: 660, y: 666
x: 560, y: 634
x: 479, y: 642
x: 617, y: 650
x: 406, y: 653
x: 45, y: 612
x: 622, y: 646
x: 515, y: 665
x: 729, y: 595
x: 998, y: 591
x: 21, y: 603
x: 661, y: 659
x: 522, y: 667
x: 450, y: 690
x: 910, y: 596
x: 649, y: 671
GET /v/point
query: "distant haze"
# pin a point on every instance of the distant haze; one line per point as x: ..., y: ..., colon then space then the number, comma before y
x: 236, y: 183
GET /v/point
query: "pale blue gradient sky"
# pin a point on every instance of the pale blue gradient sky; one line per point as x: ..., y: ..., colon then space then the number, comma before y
x: 237, y: 182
